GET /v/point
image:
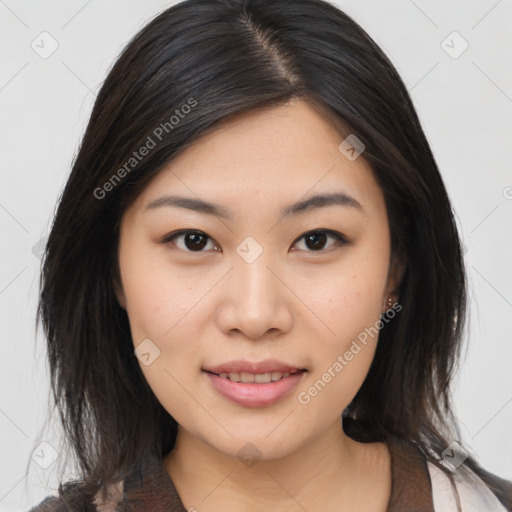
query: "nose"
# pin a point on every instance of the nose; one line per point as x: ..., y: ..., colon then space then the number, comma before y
x: 255, y: 300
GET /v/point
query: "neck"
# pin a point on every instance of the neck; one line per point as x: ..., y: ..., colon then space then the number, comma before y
x: 329, y: 468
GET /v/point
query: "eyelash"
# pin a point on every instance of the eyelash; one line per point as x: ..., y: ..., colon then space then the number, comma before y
x: 340, y: 239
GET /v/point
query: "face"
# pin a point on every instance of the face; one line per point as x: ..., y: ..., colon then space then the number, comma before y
x: 257, y: 288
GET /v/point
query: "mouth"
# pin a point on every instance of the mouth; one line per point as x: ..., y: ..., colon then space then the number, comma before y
x: 254, y: 368
x: 258, y: 378
x: 254, y: 384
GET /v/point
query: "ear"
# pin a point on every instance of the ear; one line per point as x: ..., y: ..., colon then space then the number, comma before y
x: 118, y: 290
x: 397, y: 267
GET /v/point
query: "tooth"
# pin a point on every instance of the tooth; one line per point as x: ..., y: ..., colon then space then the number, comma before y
x: 251, y: 377
x: 263, y: 377
x: 247, y: 377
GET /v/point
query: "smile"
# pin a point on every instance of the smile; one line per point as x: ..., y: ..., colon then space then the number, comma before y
x: 254, y: 389
x: 260, y: 378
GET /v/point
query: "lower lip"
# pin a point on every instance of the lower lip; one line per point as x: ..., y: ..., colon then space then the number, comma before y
x: 251, y: 394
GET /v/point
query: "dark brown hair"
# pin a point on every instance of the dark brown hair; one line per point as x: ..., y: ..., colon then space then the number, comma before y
x: 203, y: 62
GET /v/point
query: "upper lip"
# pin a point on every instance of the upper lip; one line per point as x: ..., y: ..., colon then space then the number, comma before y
x: 266, y: 366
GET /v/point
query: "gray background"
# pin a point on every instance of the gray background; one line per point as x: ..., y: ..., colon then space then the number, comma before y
x: 465, y: 106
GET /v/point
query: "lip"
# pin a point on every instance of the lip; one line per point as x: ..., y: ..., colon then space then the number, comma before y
x: 266, y: 366
x: 250, y: 394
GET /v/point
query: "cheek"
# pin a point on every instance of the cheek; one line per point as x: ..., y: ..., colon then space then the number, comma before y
x: 342, y: 359
x: 349, y: 304
x: 165, y: 307
x: 159, y: 299
x: 162, y: 310
x: 348, y: 299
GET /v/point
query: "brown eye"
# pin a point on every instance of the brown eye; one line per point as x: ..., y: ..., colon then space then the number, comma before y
x: 192, y: 241
x: 315, y: 241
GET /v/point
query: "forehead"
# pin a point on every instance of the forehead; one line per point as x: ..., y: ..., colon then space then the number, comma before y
x: 276, y: 155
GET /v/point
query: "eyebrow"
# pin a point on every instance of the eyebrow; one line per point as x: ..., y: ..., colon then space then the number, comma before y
x: 314, y: 202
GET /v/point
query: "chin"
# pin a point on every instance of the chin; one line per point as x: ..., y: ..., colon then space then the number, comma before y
x: 251, y: 445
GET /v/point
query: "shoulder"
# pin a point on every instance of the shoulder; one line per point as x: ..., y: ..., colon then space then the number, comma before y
x: 473, y: 493
x: 50, y: 503
x: 53, y: 504
x: 71, y: 497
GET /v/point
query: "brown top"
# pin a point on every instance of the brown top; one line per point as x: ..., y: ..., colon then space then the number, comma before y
x: 411, y: 489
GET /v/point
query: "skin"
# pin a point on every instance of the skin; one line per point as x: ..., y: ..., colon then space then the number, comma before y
x: 296, y: 304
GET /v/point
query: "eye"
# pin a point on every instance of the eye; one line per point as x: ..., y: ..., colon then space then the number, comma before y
x: 196, y: 241
x: 193, y: 241
x: 315, y: 240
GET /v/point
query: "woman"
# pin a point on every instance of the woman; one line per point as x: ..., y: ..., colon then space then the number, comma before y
x: 253, y: 290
